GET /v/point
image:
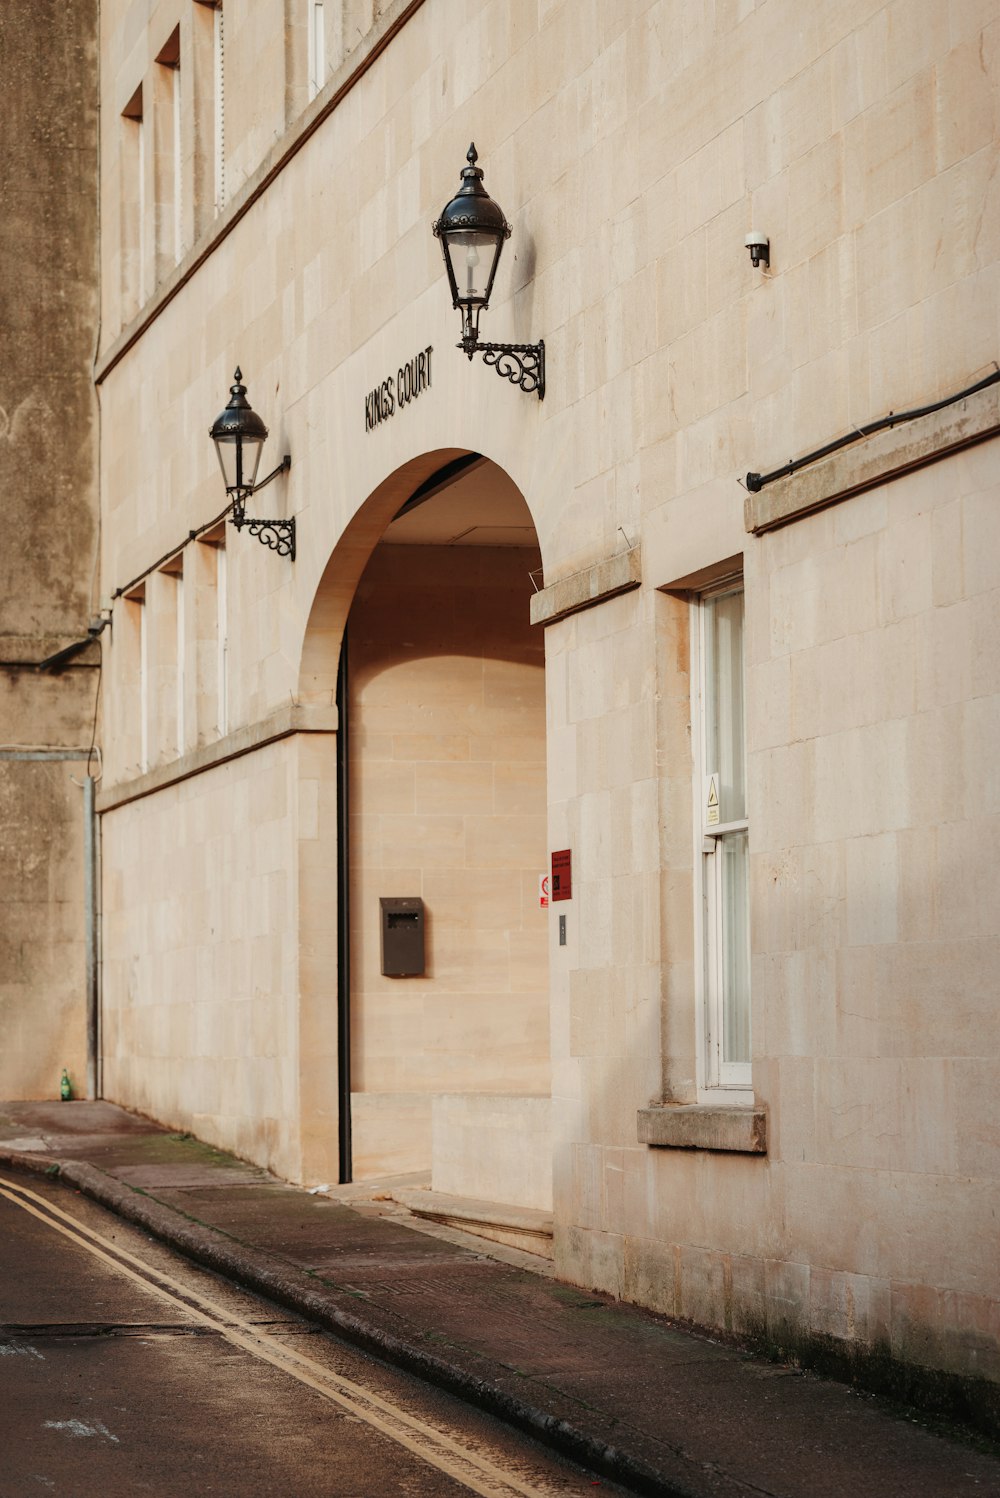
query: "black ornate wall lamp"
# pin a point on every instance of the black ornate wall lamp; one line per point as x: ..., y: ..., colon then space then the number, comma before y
x: 472, y: 230
x: 239, y: 436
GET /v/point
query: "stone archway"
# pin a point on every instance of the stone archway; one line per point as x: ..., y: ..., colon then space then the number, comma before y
x: 446, y: 733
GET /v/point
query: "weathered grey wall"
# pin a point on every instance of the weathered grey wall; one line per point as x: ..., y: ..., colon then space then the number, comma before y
x: 48, y: 508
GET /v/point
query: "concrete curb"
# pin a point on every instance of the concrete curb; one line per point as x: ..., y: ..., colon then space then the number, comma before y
x: 268, y: 1275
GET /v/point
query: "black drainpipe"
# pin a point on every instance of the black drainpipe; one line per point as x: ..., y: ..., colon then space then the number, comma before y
x: 343, y: 928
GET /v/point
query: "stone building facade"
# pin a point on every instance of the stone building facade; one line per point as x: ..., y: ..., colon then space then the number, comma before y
x: 48, y: 561
x: 750, y: 1065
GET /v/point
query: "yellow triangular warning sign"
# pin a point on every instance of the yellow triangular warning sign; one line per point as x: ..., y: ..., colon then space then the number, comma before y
x: 713, y: 794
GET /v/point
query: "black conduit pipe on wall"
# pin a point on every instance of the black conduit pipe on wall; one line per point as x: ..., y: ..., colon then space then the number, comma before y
x: 756, y: 481
x: 343, y: 928
x: 92, y: 924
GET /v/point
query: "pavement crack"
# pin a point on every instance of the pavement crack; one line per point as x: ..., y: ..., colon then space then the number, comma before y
x: 52, y: 1331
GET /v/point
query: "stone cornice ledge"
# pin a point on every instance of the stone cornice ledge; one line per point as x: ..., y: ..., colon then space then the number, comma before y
x: 295, y: 718
x: 596, y: 584
x: 705, y: 1126
x: 875, y: 460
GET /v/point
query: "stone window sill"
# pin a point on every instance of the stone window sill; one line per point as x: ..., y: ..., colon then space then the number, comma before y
x: 705, y: 1126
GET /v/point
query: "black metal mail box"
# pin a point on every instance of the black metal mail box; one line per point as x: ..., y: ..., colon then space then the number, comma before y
x: 402, y: 936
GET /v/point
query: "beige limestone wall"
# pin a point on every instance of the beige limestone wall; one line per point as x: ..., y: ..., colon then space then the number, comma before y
x: 873, y: 693
x: 254, y: 32
x: 318, y: 1122
x: 875, y: 678
x: 447, y: 753
x: 604, y: 804
x: 151, y: 220
x: 171, y: 654
x: 142, y: 202
x: 632, y: 147
x: 494, y: 1147
x: 765, y: 367
x: 676, y: 367
x: 864, y: 144
x: 201, y: 899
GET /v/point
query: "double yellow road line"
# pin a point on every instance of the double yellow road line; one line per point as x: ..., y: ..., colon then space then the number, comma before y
x: 470, y: 1468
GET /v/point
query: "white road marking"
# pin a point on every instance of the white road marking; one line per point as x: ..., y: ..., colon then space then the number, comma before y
x: 79, y: 1428
x: 473, y: 1470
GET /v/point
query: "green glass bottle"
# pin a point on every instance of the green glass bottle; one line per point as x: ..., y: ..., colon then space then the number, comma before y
x: 65, y: 1087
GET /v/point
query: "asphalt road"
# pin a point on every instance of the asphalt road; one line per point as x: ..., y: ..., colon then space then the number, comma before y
x: 124, y: 1369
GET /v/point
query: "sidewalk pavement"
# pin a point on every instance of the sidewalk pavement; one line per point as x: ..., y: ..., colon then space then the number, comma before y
x: 658, y: 1408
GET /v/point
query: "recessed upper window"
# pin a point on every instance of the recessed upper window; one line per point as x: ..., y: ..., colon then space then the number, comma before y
x: 317, y: 46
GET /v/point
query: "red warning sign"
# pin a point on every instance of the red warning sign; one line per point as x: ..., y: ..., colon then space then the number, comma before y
x: 562, y: 875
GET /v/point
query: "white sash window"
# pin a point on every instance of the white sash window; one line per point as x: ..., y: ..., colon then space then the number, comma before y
x: 723, y: 839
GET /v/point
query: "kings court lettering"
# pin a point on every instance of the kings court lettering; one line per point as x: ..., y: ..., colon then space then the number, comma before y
x: 394, y: 392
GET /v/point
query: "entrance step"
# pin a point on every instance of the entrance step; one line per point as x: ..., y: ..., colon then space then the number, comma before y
x: 378, y: 1188
x: 525, y: 1228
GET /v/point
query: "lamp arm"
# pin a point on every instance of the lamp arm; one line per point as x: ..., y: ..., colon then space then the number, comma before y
x: 282, y: 467
x: 279, y: 535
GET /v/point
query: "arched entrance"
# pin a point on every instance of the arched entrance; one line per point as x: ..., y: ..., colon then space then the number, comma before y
x: 443, y: 717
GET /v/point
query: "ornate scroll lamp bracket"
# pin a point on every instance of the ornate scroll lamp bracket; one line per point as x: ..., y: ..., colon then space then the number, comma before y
x: 523, y: 364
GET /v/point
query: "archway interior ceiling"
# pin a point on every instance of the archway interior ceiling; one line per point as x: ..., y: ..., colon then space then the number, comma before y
x: 482, y: 507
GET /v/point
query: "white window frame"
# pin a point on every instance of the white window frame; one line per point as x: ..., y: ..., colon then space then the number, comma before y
x: 719, y: 1080
x: 317, y: 47
x: 133, y: 207
x: 181, y: 648
x: 219, y: 106
x: 137, y: 600
x: 222, y: 639
x: 143, y: 232
x: 175, y: 107
x: 168, y: 122
x: 173, y: 601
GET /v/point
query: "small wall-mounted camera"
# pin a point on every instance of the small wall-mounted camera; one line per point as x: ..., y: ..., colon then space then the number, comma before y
x: 760, y: 248
x: 99, y: 623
